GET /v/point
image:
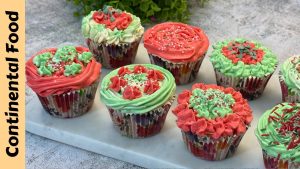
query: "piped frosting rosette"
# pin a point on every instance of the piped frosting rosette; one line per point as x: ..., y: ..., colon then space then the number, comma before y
x: 278, y: 132
x: 176, y: 42
x: 289, y: 77
x: 210, y: 115
x: 138, y: 98
x: 64, y: 78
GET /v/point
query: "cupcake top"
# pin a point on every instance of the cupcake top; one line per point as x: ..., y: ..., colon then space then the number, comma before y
x: 176, y: 42
x: 290, y: 73
x: 111, y: 26
x: 213, y: 111
x: 137, y: 88
x: 278, y: 131
x: 243, y: 58
x: 56, y: 71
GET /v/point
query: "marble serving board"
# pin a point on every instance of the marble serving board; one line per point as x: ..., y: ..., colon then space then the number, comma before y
x: 94, y: 131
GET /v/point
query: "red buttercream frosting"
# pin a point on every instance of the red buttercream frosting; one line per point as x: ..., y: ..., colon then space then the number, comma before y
x: 233, y: 50
x: 176, y: 42
x: 113, y: 20
x: 58, y: 83
x: 132, y: 91
x: 235, y: 123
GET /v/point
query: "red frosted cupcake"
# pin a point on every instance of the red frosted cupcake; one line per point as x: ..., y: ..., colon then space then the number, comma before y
x: 213, y: 120
x: 178, y: 47
x: 64, y: 79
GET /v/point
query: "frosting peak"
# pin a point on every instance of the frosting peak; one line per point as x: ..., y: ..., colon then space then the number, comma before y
x: 176, y: 42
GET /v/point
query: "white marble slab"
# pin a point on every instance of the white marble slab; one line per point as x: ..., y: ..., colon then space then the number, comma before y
x: 95, y: 132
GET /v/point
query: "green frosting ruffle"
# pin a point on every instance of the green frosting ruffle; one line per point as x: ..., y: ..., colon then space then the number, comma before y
x: 66, y: 53
x: 100, y: 34
x: 290, y: 74
x: 211, y: 103
x: 85, y: 57
x: 225, y: 66
x: 271, y: 140
x: 143, y: 104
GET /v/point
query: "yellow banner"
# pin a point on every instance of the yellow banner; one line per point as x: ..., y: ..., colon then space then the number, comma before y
x: 12, y: 84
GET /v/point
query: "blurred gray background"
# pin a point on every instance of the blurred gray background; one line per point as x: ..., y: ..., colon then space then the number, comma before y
x: 276, y: 23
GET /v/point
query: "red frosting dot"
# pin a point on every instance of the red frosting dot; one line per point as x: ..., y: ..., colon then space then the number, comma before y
x: 123, y: 70
x: 155, y: 75
x: 117, y: 83
x: 139, y: 69
x: 151, y: 87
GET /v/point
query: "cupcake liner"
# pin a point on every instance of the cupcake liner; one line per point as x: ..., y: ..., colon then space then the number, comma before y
x: 286, y: 95
x: 141, y: 125
x: 209, y: 149
x: 114, y: 56
x: 277, y: 163
x: 182, y: 72
x: 72, y: 104
x: 250, y: 87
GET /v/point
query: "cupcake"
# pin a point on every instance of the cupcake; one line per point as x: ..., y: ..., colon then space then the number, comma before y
x: 243, y: 65
x: 289, y: 77
x: 113, y: 36
x: 138, y: 98
x: 177, y: 47
x: 212, y: 120
x: 64, y: 79
x: 278, y: 133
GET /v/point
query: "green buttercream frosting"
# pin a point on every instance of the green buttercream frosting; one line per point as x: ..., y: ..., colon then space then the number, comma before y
x: 211, y: 103
x: 48, y: 63
x: 100, y: 34
x: 72, y: 69
x: 274, y: 137
x: 290, y: 73
x: 86, y: 57
x: 143, y: 104
x: 45, y: 70
x: 41, y: 59
x: 225, y: 66
x: 66, y: 53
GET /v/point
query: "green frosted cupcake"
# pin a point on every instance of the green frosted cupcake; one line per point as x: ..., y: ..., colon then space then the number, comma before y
x: 138, y: 98
x: 244, y: 65
x: 289, y: 77
x: 278, y: 133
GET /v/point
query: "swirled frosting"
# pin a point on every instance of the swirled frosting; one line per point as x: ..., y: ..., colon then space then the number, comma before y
x: 111, y: 26
x: 278, y: 131
x: 213, y: 111
x: 56, y: 71
x: 137, y: 88
x: 290, y: 73
x: 243, y: 58
x: 176, y: 42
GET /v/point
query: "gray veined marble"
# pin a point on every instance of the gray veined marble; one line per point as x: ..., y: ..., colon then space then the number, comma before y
x: 51, y: 23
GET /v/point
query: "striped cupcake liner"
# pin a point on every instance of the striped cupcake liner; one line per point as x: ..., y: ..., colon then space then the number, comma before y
x: 183, y: 72
x: 114, y: 56
x: 140, y: 125
x: 277, y: 163
x: 209, y: 149
x: 287, y: 96
x: 72, y: 104
x: 250, y: 87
